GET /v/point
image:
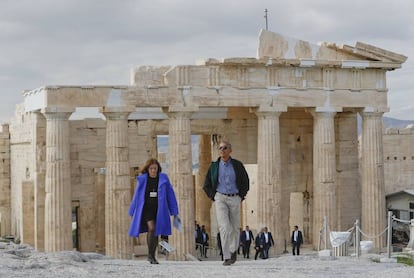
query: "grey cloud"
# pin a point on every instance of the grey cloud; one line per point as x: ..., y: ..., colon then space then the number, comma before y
x: 98, y: 41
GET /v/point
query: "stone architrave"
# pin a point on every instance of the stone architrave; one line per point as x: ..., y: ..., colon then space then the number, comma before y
x: 324, y: 172
x: 58, y: 208
x: 181, y: 177
x: 117, y: 182
x: 373, y: 212
x: 269, y: 180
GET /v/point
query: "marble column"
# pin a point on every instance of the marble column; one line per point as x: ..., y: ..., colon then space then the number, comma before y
x: 373, y: 213
x: 269, y: 180
x: 203, y: 203
x: 181, y: 175
x: 324, y: 172
x: 117, y: 183
x: 58, y: 203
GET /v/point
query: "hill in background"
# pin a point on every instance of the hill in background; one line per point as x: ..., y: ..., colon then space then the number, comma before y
x: 395, y: 123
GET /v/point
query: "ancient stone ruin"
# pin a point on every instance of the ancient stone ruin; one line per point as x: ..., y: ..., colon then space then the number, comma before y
x: 290, y: 114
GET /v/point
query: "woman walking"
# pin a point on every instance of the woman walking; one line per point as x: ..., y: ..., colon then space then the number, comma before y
x: 153, y: 203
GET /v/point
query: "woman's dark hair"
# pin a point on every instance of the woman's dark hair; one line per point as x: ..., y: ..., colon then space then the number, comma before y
x: 149, y: 163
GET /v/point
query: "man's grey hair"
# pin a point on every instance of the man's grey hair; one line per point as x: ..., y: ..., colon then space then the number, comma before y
x: 228, y: 144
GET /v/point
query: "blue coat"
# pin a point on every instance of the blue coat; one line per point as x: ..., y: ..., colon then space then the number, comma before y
x: 167, y: 206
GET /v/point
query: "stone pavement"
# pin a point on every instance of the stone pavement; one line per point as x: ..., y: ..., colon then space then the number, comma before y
x: 24, y: 261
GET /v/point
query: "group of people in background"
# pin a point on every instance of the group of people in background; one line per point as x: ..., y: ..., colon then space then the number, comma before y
x: 201, y: 239
x: 263, y: 241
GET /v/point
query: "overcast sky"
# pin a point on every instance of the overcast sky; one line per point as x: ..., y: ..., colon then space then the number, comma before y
x: 97, y: 42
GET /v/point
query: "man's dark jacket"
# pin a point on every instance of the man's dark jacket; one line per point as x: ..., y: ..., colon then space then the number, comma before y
x: 299, y: 238
x: 243, y: 237
x: 211, y: 181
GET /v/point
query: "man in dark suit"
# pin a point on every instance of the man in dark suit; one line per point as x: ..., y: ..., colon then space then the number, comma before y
x: 246, y: 241
x: 204, y: 241
x: 267, y: 242
x: 258, y: 246
x: 297, y: 240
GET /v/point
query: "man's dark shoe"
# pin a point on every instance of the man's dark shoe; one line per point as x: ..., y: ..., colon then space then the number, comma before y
x: 233, y: 257
x: 228, y: 262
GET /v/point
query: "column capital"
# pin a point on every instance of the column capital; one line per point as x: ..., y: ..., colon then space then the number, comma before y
x: 185, y: 111
x: 180, y: 108
x: 323, y: 111
x: 57, y: 112
x: 328, y: 109
x: 117, y: 112
x: 279, y: 108
x: 58, y: 109
x: 374, y: 110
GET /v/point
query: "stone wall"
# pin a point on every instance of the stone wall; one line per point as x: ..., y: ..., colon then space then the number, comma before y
x: 5, y: 225
x: 398, y: 159
x: 39, y: 175
x: 87, y: 153
x: 296, y: 133
x: 348, y: 179
x: 22, y: 160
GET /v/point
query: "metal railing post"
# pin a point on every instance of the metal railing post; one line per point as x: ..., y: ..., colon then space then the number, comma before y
x: 389, y: 237
x: 357, y: 238
x: 325, y: 224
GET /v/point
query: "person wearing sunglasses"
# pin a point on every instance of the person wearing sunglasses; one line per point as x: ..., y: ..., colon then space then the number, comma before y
x: 227, y: 184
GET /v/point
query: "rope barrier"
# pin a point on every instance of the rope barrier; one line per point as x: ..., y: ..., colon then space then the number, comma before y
x: 400, y: 220
x: 325, y: 230
x: 351, y: 229
x: 369, y: 236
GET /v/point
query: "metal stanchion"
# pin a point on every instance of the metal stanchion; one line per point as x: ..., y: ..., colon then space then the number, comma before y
x: 357, y: 238
x: 411, y: 242
x: 326, y: 231
x: 286, y: 251
x: 389, y: 237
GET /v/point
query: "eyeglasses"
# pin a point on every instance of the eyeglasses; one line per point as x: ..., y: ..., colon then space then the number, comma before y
x: 223, y: 148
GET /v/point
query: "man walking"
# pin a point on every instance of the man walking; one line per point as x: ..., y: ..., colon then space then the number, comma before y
x: 297, y: 240
x: 227, y: 184
x: 246, y: 241
x: 267, y: 242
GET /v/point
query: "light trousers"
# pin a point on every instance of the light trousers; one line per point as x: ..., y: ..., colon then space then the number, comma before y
x: 228, y: 220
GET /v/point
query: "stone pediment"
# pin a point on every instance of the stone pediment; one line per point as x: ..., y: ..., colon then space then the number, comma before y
x: 277, y: 46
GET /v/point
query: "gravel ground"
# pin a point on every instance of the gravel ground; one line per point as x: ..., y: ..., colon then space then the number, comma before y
x: 23, y: 261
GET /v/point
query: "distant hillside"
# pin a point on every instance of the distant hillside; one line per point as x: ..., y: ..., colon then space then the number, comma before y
x: 389, y: 123
x: 395, y: 123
